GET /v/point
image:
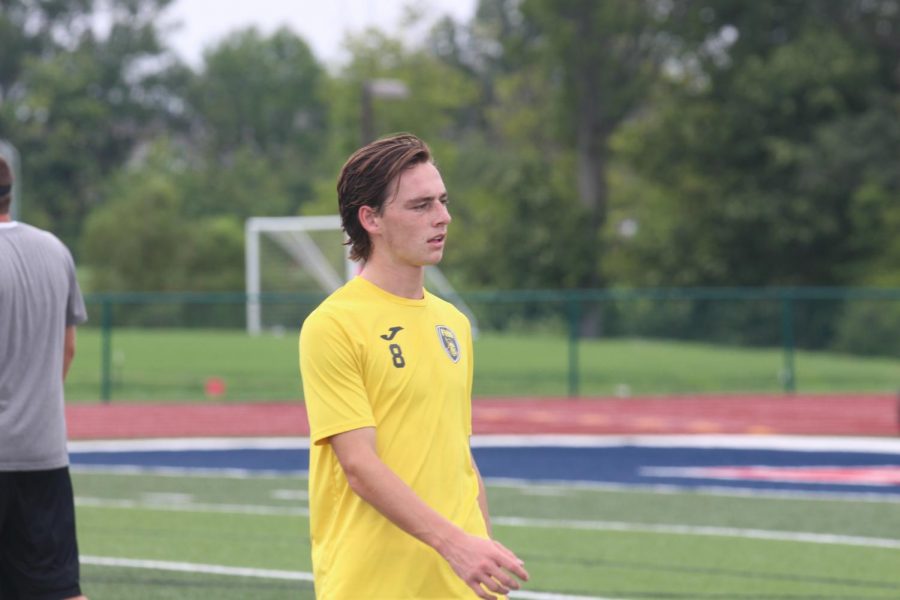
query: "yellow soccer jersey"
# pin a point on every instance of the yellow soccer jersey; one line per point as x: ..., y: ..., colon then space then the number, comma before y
x: 372, y: 359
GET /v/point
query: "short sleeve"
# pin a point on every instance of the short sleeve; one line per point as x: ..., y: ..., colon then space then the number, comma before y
x: 331, y: 370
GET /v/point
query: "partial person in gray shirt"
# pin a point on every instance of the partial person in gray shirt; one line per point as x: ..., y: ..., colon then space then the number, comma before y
x: 40, y: 305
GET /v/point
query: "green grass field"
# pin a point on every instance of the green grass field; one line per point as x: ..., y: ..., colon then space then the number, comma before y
x: 173, y: 365
x: 576, y: 541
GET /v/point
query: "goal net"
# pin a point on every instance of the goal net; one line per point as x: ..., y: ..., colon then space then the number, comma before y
x: 290, y: 255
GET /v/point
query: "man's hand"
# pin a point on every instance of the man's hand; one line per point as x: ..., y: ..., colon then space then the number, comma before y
x: 480, y: 562
x: 477, y: 561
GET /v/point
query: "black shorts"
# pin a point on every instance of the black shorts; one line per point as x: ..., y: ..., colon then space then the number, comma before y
x: 38, y: 549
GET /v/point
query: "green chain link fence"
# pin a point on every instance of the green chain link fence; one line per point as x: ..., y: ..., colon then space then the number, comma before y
x: 185, y: 346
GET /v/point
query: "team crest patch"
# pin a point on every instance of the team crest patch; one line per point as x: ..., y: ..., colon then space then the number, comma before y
x: 448, y: 341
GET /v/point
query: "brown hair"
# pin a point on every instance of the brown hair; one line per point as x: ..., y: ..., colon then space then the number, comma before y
x: 365, y: 180
x: 6, y: 181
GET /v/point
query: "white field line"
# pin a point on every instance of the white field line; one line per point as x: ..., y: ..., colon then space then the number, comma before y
x: 674, y: 529
x: 709, y: 490
x: 184, y: 567
x: 762, y: 442
x: 180, y: 444
x: 761, y: 534
x: 798, y: 443
x: 552, y: 596
x: 225, y: 473
x: 197, y: 507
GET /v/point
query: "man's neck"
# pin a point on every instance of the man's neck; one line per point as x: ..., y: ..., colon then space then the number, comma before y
x: 401, y: 280
x: 5, y: 218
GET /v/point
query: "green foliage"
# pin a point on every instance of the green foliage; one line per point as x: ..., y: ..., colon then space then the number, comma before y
x: 75, y: 102
x: 261, y: 93
x: 584, y: 144
x: 516, y: 226
x: 259, y: 112
x: 437, y: 94
x: 143, y: 239
x: 143, y: 253
x: 760, y: 161
x: 247, y: 184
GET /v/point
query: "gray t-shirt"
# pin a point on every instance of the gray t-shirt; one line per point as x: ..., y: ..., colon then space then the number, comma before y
x: 39, y: 298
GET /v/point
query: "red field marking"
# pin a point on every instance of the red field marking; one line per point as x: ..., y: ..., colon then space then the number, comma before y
x: 845, y: 414
x: 113, y: 421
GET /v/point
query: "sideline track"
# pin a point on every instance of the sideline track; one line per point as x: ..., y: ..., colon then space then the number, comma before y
x: 184, y: 567
x: 873, y: 414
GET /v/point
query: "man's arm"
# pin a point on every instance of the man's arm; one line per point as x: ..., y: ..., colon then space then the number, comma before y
x: 68, y: 350
x: 475, y: 560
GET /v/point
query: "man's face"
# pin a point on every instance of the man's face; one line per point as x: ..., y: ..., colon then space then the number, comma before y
x: 414, y: 219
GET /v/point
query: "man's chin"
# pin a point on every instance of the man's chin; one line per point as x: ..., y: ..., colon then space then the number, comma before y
x: 432, y: 259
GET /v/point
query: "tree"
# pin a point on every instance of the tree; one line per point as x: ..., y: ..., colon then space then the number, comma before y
x: 768, y: 157
x: 435, y: 95
x: 776, y: 124
x: 258, y: 119
x: 602, y: 58
x: 260, y: 92
x: 75, y: 101
x: 144, y: 239
x: 149, y: 253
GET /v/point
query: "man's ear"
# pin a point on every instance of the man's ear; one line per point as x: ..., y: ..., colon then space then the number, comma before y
x: 368, y: 218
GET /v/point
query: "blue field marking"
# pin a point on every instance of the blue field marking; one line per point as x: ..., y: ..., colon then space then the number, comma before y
x: 638, y: 462
x: 630, y: 465
x: 262, y: 460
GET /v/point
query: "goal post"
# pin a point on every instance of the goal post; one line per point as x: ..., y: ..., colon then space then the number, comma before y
x: 294, y: 238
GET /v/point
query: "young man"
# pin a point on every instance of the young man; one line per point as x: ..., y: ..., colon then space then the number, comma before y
x: 40, y: 305
x: 397, y: 506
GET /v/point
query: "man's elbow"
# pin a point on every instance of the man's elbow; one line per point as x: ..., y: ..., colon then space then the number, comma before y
x: 358, y: 472
x: 355, y: 475
x: 358, y: 459
x: 357, y: 485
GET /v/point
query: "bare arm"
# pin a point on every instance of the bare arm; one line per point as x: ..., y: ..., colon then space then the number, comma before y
x: 475, y: 560
x: 68, y: 350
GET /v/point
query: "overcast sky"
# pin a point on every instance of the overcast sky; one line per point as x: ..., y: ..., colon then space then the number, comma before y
x: 322, y: 23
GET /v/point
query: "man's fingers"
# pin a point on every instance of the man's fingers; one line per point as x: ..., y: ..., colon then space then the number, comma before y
x: 518, y: 569
x: 506, y: 581
x: 489, y: 568
x: 494, y: 585
x: 513, y: 564
x: 482, y: 593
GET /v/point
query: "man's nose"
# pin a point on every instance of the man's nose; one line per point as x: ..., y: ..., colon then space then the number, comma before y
x: 443, y: 213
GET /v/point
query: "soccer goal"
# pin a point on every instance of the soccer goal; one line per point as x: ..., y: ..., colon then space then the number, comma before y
x: 306, y: 254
